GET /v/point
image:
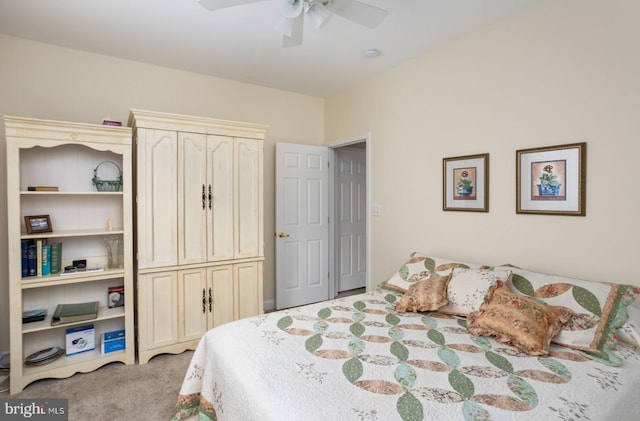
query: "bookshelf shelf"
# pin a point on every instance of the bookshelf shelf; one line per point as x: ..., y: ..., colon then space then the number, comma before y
x: 83, y: 220
x: 73, y: 233
x: 67, y: 366
x: 104, y: 313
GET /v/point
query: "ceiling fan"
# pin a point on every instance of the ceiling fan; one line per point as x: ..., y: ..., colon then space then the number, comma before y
x: 291, y: 22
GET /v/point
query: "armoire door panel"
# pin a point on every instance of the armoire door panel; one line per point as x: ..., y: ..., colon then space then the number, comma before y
x: 248, y: 175
x: 158, y: 327
x: 193, y: 198
x: 157, y: 184
x: 248, y: 278
x: 193, y: 304
x: 222, y: 291
x: 220, y: 206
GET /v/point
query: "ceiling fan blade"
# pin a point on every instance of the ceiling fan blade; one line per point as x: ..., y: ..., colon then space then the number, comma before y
x: 223, y: 4
x: 357, y: 11
x: 296, y: 33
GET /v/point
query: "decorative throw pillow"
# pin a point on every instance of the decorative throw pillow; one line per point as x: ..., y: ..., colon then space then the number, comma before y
x: 527, y: 324
x: 599, y: 309
x: 427, y: 295
x: 421, y: 266
x: 468, y: 287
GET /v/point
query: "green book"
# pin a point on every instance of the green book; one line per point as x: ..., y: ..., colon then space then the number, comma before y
x: 56, y: 258
x: 69, y: 313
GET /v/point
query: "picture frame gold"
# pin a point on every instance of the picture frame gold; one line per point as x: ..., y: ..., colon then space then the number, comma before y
x: 38, y: 223
x: 552, y: 180
x: 465, y: 183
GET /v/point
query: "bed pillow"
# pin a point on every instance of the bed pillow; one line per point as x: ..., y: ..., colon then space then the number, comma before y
x: 428, y: 294
x: 511, y: 318
x: 468, y: 287
x: 629, y: 332
x: 599, y: 308
x: 420, y: 266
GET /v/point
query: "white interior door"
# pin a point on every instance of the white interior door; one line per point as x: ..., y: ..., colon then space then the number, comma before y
x: 302, y: 224
x: 351, y: 218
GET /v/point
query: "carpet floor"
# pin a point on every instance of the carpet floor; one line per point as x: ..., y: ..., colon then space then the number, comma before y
x: 117, y: 391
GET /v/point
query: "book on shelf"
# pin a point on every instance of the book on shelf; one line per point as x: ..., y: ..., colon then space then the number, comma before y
x: 69, y: 313
x: 24, y: 255
x: 46, y: 260
x: 42, y: 188
x: 39, y: 244
x: 30, y: 316
x: 32, y: 257
x: 56, y: 258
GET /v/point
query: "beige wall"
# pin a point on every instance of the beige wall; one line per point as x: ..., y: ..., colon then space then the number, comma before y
x: 43, y: 81
x: 561, y: 72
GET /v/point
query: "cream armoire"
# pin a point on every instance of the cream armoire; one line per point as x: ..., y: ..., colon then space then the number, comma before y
x: 198, y: 226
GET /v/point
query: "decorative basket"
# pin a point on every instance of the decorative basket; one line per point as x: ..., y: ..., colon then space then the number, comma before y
x: 107, y: 185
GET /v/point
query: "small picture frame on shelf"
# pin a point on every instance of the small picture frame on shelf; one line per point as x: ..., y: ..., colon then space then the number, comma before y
x: 38, y: 223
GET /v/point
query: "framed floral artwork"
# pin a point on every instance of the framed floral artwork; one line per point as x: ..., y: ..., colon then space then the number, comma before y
x: 552, y: 180
x: 466, y: 183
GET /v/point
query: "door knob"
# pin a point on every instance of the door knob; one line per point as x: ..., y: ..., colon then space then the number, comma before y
x: 282, y: 234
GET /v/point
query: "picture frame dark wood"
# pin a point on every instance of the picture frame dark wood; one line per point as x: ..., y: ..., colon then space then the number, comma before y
x: 465, y: 183
x: 38, y: 223
x: 552, y: 180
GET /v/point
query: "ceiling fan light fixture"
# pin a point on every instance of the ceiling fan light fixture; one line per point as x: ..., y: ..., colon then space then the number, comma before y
x: 292, y: 8
x: 318, y: 16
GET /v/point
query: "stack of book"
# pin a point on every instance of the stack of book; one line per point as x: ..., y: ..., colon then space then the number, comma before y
x: 30, y: 316
x: 40, y: 258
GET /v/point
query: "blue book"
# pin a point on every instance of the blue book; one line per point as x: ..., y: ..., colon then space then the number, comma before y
x: 32, y: 255
x: 46, y: 260
x: 24, y: 249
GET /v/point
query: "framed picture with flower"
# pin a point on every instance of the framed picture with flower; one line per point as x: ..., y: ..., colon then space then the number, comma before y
x: 552, y: 180
x: 466, y: 183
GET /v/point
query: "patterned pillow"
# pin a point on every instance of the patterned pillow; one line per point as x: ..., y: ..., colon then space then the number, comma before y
x: 468, y: 287
x: 420, y: 266
x: 519, y: 321
x: 629, y: 332
x: 599, y: 308
x: 427, y: 295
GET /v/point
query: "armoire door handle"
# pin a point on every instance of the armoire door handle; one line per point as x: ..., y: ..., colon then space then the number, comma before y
x: 204, y: 199
x: 210, y: 196
x: 210, y: 300
x: 204, y: 301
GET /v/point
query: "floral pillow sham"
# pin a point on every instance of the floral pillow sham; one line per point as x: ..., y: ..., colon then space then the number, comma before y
x: 599, y: 309
x: 427, y: 295
x: 468, y: 287
x: 420, y: 266
x: 629, y: 332
x: 522, y: 322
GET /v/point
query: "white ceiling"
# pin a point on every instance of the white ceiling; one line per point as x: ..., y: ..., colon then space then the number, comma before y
x: 240, y: 43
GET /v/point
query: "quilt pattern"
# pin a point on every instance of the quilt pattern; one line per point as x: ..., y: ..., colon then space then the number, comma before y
x: 355, y: 358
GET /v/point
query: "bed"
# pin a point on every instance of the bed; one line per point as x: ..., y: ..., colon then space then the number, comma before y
x: 358, y: 358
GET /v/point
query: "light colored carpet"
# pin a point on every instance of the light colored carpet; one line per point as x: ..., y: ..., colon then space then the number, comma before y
x: 117, y: 391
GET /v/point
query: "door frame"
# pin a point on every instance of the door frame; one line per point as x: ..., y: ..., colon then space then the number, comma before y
x: 333, y: 276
